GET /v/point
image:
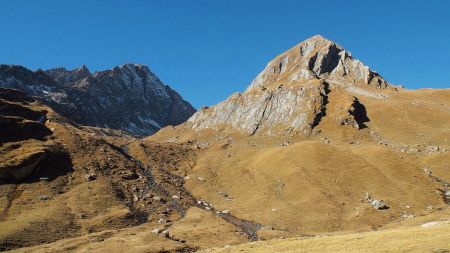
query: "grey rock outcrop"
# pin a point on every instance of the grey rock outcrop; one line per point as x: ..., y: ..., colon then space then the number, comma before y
x: 447, y: 196
x: 378, y: 204
x: 273, y: 112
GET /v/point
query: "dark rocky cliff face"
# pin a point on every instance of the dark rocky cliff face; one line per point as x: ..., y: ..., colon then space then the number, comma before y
x: 128, y: 97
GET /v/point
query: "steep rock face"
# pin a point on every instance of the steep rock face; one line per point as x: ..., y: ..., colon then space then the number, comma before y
x: 279, y: 111
x: 128, y: 97
x: 290, y: 95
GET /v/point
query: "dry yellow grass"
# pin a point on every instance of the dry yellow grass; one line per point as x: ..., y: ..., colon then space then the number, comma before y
x: 409, y: 239
x: 311, y: 187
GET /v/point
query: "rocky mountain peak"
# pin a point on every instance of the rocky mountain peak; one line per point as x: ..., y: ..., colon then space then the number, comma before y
x: 292, y: 94
x: 135, y: 72
x: 314, y: 59
x: 83, y: 70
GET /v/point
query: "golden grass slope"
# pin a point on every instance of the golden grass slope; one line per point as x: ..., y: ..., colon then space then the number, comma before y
x: 406, y: 239
x: 295, y: 185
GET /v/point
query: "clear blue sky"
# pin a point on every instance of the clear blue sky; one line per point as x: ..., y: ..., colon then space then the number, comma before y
x: 208, y: 49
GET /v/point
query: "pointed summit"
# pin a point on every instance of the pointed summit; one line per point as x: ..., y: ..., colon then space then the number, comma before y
x: 135, y: 72
x: 82, y: 71
x: 291, y: 94
x: 317, y: 37
x: 83, y: 68
x: 317, y: 58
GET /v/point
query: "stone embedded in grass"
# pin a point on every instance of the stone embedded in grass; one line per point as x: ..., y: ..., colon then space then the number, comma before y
x: 447, y: 194
x: 165, y: 233
x: 90, y: 177
x: 130, y: 176
x: 378, y: 204
x: 156, y: 231
x: 44, y: 197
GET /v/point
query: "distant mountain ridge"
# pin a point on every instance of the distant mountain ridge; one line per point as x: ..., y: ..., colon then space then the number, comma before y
x: 129, y: 97
x: 64, y: 76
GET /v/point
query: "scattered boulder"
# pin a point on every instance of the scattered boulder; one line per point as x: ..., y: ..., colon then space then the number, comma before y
x: 130, y: 176
x: 408, y: 216
x: 378, y: 204
x: 90, y: 177
x: 433, y: 149
x: 226, y: 195
x: 224, y: 212
x: 165, y: 233
x: 447, y: 196
x: 156, y: 231
x: 44, y: 197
